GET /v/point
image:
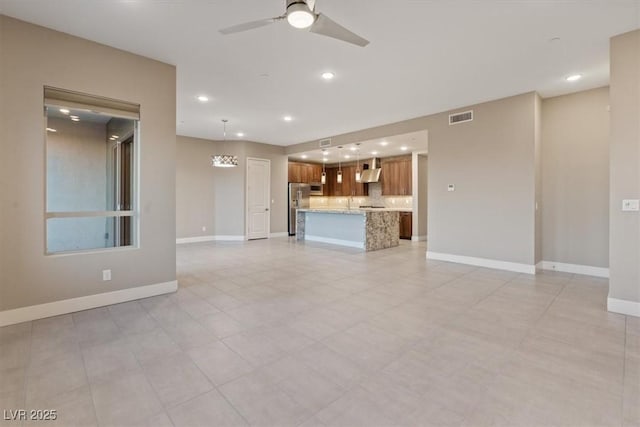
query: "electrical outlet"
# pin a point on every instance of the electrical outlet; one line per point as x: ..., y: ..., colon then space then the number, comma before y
x: 451, y: 187
x: 106, y: 275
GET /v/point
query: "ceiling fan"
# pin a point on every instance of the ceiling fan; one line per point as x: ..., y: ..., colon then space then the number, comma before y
x: 301, y: 14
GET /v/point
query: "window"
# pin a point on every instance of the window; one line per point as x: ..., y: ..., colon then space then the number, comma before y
x: 91, y: 188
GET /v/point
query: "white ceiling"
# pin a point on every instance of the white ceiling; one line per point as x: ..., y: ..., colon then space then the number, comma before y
x: 424, y: 57
x: 396, y: 145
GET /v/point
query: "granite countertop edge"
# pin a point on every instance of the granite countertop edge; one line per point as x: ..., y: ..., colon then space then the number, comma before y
x: 353, y: 211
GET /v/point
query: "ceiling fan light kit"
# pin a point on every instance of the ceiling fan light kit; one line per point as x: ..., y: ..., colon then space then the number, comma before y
x: 299, y: 15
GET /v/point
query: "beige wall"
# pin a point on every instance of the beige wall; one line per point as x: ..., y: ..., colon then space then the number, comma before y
x: 624, y: 239
x: 420, y: 227
x: 575, y: 205
x: 30, y: 58
x: 538, y: 178
x: 215, y: 197
x: 491, y: 161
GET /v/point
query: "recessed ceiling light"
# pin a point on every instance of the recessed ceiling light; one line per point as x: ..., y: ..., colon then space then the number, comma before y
x: 240, y: 134
x: 346, y: 156
x: 304, y: 156
x: 287, y: 118
x: 203, y: 98
x: 353, y: 148
x: 403, y: 148
x: 115, y: 136
x: 325, y: 160
x: 328, y: 75
x: 75, y: 119
x: 64, y: 111
x: 51, y: 130
x: 384, y: 143
x: 374, y: 152
x: 574, y: 77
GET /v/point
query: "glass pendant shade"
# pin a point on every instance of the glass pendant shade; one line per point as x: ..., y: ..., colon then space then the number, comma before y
x: 323, y: 178
x: 358, y: 177
x: 224, y: 161
x: 339, y: 179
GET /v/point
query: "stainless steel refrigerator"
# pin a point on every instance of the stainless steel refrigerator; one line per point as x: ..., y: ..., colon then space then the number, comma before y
x: 298, y: 199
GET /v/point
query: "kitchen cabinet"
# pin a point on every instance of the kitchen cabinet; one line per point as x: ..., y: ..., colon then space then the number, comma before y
x: 295, y: 172
x: 316, y: 173
x: 343, y: 189
x: 396, y: 176
x: 406, y: 219
x: 304, y: 172
x: 349, y: 186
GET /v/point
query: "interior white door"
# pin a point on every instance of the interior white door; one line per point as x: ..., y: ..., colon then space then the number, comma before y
x: 258, y: 198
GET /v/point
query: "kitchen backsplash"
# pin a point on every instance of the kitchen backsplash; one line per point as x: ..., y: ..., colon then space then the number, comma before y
x: 319, y: 202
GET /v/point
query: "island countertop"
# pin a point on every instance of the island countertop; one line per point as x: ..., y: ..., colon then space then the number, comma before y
x: 352, y: 211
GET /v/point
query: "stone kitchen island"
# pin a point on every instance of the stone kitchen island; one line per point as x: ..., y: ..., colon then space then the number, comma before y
x: 369, y: 229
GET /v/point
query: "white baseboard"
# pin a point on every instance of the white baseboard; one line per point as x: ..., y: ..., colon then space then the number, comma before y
x: 418, y: 238
x: 280, y: 234
x: 40, y: 311
x: 349, y: 243
x: 483, y: 262
x: 587, y: 270
x: 197, y: 239
x: 630, y: 308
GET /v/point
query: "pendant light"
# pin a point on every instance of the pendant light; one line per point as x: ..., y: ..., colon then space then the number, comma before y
x: 323, y: 177
x: 224, y: 160
x: 339, y: 177
x: 358, y: 176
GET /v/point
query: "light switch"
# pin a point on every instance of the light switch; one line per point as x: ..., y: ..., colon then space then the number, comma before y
x: 451, y: 187
x: 630, y: 205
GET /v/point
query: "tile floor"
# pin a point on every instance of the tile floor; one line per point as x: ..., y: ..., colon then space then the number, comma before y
x: 279, y: 333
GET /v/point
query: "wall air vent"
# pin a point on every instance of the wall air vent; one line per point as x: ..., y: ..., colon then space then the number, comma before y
x: 325, y: 143
x: 456, y: 118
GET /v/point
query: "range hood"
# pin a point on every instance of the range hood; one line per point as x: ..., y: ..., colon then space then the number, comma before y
x: 371, y: 174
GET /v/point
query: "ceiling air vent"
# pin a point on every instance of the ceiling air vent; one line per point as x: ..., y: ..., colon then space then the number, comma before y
x: 456, y: 118
x: 325, y: 143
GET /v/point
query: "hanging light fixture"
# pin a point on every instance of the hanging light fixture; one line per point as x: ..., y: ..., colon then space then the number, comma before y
x: 323, y: 177
x: 358, y: 176
x: 224, y: 160
x: 339, y: 176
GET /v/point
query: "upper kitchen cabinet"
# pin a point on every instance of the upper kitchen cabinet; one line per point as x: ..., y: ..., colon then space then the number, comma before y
x: 348, y: 187
x: 304, y: 172
x: 396, y: 176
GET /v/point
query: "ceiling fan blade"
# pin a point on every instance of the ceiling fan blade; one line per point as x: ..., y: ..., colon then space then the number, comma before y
x: 312, y: 5
x: 326, y: 27
x: 249, y: 25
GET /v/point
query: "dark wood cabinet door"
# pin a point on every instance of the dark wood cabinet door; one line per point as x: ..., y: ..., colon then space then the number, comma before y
x: 396, y: 177
x: 316, y: 173
x: 347, y: 180
x: 406, y: 219
x: 305, y: 176
x: 387, y: 179
x: 295, y: 172
x: 330, y: 185
x: 405, y: 177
